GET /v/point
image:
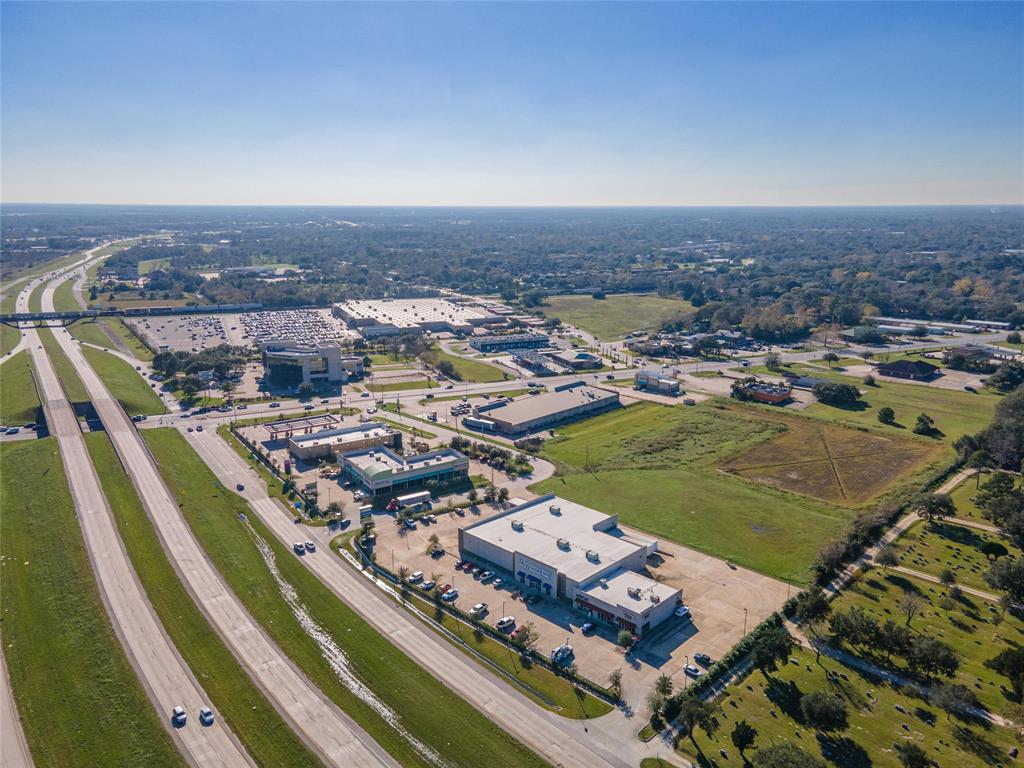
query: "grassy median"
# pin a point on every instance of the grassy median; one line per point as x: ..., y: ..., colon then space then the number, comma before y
x: 429, y: 711
x: 124, y: 383
x: 78, y: 697
x: 235, y: 697
x: 19, y: 401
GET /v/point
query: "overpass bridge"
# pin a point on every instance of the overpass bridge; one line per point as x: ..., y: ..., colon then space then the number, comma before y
x: 61, y: 319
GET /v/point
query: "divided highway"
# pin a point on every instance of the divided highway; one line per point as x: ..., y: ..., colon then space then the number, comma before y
x: 560, y: 741
x: 327, y: 730
x: 163, y: 673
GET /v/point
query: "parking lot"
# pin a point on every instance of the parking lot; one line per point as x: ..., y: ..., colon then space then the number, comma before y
x: 722, y: 598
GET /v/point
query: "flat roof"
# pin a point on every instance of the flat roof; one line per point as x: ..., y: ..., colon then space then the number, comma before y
x: 303, y: 422
x: 542, y: 529
x: 630, y: 590
x: 374, y: 462
x: 343, y: 435
x: 530, y: 407
x: 410, y: 313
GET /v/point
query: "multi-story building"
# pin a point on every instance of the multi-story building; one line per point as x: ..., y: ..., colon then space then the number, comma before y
x: 505, y: 342
x: 381, y: 470
x: 287, y: 364
x: 331, y: 442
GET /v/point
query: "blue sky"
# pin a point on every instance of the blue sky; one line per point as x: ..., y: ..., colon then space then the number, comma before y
x: 517, y: 104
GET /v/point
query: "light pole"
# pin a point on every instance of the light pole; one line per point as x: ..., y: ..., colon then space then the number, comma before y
x: 744, y: 621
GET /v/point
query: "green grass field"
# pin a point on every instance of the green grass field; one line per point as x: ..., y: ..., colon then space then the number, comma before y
x: 427, y: 709
x: 266, y: 737
x: 968, y: 627
x: 616, y: 315
x: 99, y: 332
x: 468, y: 370
x: 955, y: 413
x: 124, y: 383
x: 19, y: 402
x: 9, y: 337
x: 64, y: 297
x: 69, y: 379
x: 79, y: 699
x: 933, y: 548
x: 771, y: 705
x: 963, y: 498
x: 656, y: 467
x: 399, y: 386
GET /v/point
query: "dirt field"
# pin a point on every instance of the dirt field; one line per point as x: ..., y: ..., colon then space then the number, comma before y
x: 843, y: 466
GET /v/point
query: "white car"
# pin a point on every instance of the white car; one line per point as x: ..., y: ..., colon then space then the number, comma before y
x: 480, y: 609
x: 310, y: 546
x: 206, y: 716
x: 178, y: 716
x: 692, y: 671
x: 505, y: 623
x: 683, y: 612
x: 450, y: 595
x: 427, y: 585
x: 299, y: 547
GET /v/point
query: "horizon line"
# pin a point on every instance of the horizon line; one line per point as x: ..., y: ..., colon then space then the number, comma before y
x: 534, y: 206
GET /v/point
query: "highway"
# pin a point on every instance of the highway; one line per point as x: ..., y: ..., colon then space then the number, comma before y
x: 557, y: 739
x: 326, y: 729
x: 164, y: 675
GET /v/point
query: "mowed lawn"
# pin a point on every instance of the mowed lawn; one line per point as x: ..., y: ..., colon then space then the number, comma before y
x: 955, y: 413
x: 425, y: 707
x: 234, y: 696
x: 618, y: 314
x: 656, y: 467
x: 19, y: 402
x: 772, y: 705
x: 933, y: 548
x: 103, y: 332
x: 124, y: 383
x: 468, y: 370
x: 972, y: 628
x: 79, y: 699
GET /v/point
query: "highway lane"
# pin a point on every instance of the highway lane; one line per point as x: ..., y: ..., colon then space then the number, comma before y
x: 326, y: 729
x: 561, y: 741
x: 163, y: 673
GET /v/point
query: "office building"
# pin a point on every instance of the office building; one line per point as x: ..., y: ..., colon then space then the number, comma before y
x: 503, y: 343
x: 287, y: 364
x: 331, y: 442
x: 655, y: 381
x: 381, y: 470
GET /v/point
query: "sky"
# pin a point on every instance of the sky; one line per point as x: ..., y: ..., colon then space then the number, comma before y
x: 513, y: 103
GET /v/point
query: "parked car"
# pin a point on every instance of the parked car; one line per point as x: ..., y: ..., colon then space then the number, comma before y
x: 505, y: 623
x: 683, y: 612
x: 206, y: 716
x: 561, y: 653
x: 446, y: 587
x: 310, y: 546
x: 299, y: 547
x: 450, y: 594
x: 478, y: 610
x: 497, y: 583
x: 692, y: 671
x: 178, y: 716
x: 477, y: 571
x: 460, y: 565
x: 427, y: 585
x: 532, y: 599
x: 702, y: 658
x: 415, y: 576
x: 587, y: 627
x: 486, y: 576
x: 364, y: 394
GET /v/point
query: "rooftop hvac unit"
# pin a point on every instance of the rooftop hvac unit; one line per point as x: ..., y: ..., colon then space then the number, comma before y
x: 554, y: 509
x: 517, y: 525
x: 593, y: 556
x: 563, y: 544
x: 655, y: 598
x: 603, y: 583
x: 633, y: 592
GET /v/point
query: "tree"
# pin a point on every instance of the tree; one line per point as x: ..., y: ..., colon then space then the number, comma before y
x: 932, y: 657
x: 615, y: 682
x: 306, y: 390
x: 773, y: 361
x: 910, y: 604
x: 993, y: 550
x: 812, y: 607
x: 952, y: 699
x: 933, y: 506
x: 1007, y: 575
x: 743, y: 737
x: 526, y: 635
x: 472, y: 496
x: 830, y: 358
x: 655, y: 702
x: 1013, y: 337
x: 924, y: 425
x: 663, y: 685
x: 770, y: 648
x: 785, y: 755
x: 625, y: 639
x: 824, y: 711
x: 834, y: 393
x: 868, y: 380
x: 886, y: 415
x: 433, y: 542
x: 980, y: 460
x: 1009, y: 663
x: 696, y: 713
x: 887, y: 557
x: 947, y: 577
x: 911, y: 755
x: 503, y: 495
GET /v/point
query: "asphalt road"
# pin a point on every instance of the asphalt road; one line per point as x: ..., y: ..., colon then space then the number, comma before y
x: 561, y: 741
x: 327, y: 730
x: 163, y: 673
